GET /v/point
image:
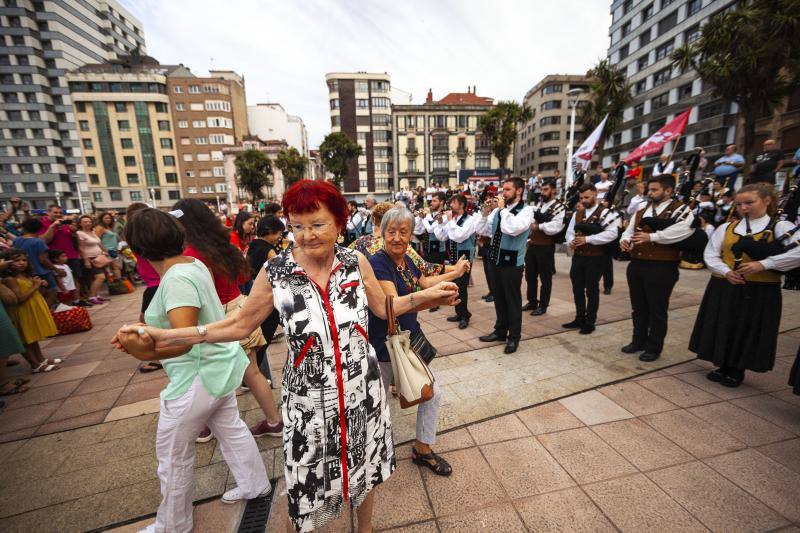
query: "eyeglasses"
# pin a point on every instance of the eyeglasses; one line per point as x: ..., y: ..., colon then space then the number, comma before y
x: 317, y: 228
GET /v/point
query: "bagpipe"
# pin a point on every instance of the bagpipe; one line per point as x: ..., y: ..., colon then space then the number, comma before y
x: 789, y: 204
x: 542, y: 217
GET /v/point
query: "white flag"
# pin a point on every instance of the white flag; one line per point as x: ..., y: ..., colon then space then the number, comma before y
x: 582, y: 158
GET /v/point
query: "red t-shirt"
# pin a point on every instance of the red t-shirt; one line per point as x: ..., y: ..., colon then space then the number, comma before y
x: 227, y: 288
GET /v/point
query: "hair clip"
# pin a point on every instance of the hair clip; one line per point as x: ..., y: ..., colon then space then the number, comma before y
x: 176, y: 213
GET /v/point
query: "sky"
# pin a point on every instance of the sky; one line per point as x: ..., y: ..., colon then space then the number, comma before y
x: 284, y: 48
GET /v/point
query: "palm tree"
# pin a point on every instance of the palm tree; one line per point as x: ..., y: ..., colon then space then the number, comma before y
x: 749, y: 55
x: 499, y: 126
x: 253, y: 172
x: 336, y: 151
x: 292, y: 165
x: 609, y: 94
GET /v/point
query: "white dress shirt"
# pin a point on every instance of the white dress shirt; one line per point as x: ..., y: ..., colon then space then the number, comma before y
x: 670, y: 235
x: 449, y: 230
x: 602, y: 188
x: 556, y: 224
x: 510, y: 224
x: 636, y: 203
x: 668, y: 168
x: 608, y: 234
x: 783, y: 262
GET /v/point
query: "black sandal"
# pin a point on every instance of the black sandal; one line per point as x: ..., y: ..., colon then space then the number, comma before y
x: 152, y: 366
x: 439, y: 466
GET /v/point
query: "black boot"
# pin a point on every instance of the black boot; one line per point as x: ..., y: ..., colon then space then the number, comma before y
x: 575, y: 324
x: 631, y: 348
x: 539, y: 311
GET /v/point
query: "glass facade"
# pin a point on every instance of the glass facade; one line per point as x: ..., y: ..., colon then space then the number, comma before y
x: 103, y: 128
x: 146, y: 143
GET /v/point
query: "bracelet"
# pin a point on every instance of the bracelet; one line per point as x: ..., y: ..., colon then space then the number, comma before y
x: 413, y: 305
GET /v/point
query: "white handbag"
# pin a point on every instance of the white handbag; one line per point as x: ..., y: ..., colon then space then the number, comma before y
x: 412, y: 377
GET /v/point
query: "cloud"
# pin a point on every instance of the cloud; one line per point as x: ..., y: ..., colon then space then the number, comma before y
x: 284, y: 48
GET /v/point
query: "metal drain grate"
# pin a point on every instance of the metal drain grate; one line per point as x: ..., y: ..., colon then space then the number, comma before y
x: 256, y: 513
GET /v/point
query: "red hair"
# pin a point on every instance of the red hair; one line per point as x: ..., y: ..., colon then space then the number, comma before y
x: 306, y: 196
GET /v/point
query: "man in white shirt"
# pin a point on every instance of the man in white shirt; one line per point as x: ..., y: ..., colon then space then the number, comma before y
x: 653, y: 270
x: 509, y: 225
x: 638, y: 201
x: 434, y: 249
x: 353, y: 223
x: 458, y: 231
x: 603, y: 185
x: 590, y: 227
x: 540, y: 261
x: 664, y: 166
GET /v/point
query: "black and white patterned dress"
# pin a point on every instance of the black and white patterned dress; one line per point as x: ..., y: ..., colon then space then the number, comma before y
x: 331, y: 369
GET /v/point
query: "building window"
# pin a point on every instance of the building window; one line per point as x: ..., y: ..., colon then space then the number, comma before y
x: 361, y: 86
x: 412, y: 165
x: 120, y: 107
x: 549, y: 121
x: 218, y: 138
x: 626, y: 29
x: 335, y: 121
x: 192, y: 190
x: 662, y: 100
x: 116, y: 196
x: 656, y: 125
x: 667, y: 23
x: 163, y: 125
x: 665, y: 3
x: 642, y: 62
x: 711, y: 137
x: 381, y: 120
x: 177, y: 89
x: 194, y: 89
x: 440, y: 142
x: 201, y: 140
x: 662, y: 76
x: 551, y: 104
x: 94, y: 179
x: 97, y: 196
x: 129, y: 161
x: 166, y: 143
x: 123, y: 125
x: 218, y: 172
x: 665, y: 49
x: 207, y: 189
x: 83, y: 125
x: 136, y: 196
x: 217, y: 105
x: 169, y: 161
x: 640, y: 86
x: 710, y: 109
x: 87, y: 144
x: 685, y: 91
x: 133, y: 179
x: 482, y: 161
x: 647, y: 12
x: 550, y: 136
x: 381, y: 102
x: 183, y: 123
x: 188, y: 157
x: 90, y: 161
x: 161, y: 107
x: 627, y: 5
x: 550, y: 89
x: 362, y: 103
x: 636, y: 133
x: 174, y: 195
x: 334, y: 103
x: 692, y: 34
x: 333, y: 86
x: 550, y: 150
x: 638, y: 110
x: 171, y: 177
x: 616, y: 140
x: 180, y: 106
x: 126, y: 143
x: 623, y: 52
x: 693, y: 7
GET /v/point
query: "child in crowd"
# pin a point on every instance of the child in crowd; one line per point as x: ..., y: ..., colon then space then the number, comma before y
x: 67, y: 291
x: 31, y: 315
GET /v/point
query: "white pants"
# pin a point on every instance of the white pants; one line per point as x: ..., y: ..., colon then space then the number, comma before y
x: 179, y: 422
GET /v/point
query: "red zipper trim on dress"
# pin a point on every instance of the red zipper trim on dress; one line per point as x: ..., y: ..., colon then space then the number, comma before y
x: 348, y: 285
x: 339, y: 378
x: 306, y: 347
x: 359, y: 329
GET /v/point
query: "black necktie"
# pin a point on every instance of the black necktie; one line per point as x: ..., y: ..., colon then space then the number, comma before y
x: 494, y: 250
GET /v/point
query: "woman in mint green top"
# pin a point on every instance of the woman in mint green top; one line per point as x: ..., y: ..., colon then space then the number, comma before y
x: 202, y: 378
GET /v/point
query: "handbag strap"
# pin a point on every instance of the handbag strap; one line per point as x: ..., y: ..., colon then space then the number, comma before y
x: 391, y: 320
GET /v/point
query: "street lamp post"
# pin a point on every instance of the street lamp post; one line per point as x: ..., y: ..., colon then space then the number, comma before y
x: 572, y: 99
x: 58, y: 198
x: 152, y: 197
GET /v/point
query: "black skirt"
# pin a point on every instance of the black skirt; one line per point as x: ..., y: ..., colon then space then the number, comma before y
x: 737, y: 325
x: 794, y: 375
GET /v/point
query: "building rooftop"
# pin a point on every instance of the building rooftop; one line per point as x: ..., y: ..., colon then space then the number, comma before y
x: 132, y: 63
x: 467, y: 98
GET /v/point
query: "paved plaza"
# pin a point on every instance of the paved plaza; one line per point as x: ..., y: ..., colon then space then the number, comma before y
x: 566, y: 434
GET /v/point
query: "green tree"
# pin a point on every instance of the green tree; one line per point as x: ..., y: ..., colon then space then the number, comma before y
x: 336, y: 151
x: 253, y: 171
x: 499, y: 126
x: 292, y: 165
x: 749, y: 55
x: 609, y: 94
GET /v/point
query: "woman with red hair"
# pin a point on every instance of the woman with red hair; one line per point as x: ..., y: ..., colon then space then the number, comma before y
x: 337, y: 430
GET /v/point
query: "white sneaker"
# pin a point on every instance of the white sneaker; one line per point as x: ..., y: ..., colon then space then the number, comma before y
x: 234, y: 495
x: 149, y: 529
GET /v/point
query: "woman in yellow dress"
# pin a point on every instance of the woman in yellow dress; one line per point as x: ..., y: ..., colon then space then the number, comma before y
x: 31, y: 315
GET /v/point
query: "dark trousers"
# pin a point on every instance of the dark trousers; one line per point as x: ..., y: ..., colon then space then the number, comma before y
x: 435, y: 257
x: 608, y: 271
x: 585, y: 275
x: 540, y: 264
x: 650, y: 285
x: 461, y: 309
x: 507, y: 291
x: 487, y: 268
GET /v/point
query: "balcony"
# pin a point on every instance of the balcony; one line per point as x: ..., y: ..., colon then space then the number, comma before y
x: 412, y: 151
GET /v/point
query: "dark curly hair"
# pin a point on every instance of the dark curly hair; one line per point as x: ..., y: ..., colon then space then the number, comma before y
x: 207, y: 234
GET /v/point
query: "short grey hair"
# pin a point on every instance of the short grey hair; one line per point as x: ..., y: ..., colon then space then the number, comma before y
x: 396, y: 215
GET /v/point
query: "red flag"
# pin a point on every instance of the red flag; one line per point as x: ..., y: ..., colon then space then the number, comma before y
x: 655, y: 143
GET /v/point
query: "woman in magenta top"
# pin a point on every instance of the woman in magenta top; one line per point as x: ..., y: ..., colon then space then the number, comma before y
x: 209, y: 241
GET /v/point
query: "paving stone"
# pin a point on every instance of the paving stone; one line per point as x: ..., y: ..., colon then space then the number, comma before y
x: 87, y: 403
x: 12, y: 420
x: 716, y: 502
x: 500, y: 519
x: 678, y: 392
x: 548, y: 418
x: 405, y: 486
x: 146, y: 390
x: 525, y: 468
x: 70, y: 373
x: 787, y: 453
x: 641, y: 445
x: 636, y: 399
x: 497, y: 429
x: 745, y: 426
x: 634, y: 503
x: 101, y: 382
x: 780, y: 413
x: 563, y: 510
x: 693, y: 434
x: 471, y: 485
x: 424, y: 527
x: 591, y: 407
x: 699, y: 380
x: 769, y: 481
x: 42, y: 394
x: 66, y: 424
x: 76, y: 515
x: 131, y: 410
x: 585, y: 456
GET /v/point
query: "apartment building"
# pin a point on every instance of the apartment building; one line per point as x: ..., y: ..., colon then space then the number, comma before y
x: 40, y: 41
x: 643, y: 35
x: 209, y: 114
x: 543, y: 141
x: 439, y: 141
x: 125, y: 131
x: 361, y: 107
